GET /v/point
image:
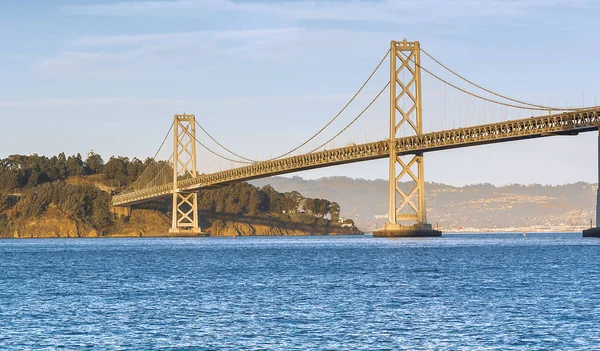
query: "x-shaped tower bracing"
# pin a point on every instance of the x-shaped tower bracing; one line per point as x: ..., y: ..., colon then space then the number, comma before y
x: 405, y: 116
x: 185, y: 204
x: 405, y: 149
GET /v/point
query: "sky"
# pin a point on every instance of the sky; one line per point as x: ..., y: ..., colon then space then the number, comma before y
x: 263, y: 76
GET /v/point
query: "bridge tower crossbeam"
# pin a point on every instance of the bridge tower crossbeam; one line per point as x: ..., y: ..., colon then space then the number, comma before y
x: 185, y: 204
x: 406, y: 115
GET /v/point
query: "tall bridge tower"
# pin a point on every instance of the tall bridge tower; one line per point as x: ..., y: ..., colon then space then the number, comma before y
x: 185, y: 204
x: 406, y: 203
x: 407, y: 215
x: 595, y: 231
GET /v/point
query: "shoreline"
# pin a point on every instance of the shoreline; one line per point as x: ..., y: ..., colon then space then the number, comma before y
x: 369, y: 234
x: 177, y: 236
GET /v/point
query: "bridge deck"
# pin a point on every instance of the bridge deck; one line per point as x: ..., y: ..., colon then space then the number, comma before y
x: 568, y: 123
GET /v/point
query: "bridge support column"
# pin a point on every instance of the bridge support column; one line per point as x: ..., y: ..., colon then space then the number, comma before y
x: 595, y: 232
x: 185, y: 204
x: 121, y: 210
x: 406, y: 202
x: 185, y: 214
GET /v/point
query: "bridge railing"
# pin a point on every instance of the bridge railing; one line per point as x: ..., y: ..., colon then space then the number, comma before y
x: 576, y: 121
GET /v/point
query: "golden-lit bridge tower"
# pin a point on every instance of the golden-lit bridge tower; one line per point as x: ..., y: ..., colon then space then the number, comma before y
x: 406, y: 114
x: 185, y: 203
x: 402, y: 141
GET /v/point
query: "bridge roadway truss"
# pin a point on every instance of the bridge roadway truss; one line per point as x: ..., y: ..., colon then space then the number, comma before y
x: 568, y: 123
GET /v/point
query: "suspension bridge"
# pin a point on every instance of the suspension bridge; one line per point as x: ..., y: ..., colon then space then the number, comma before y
x: 466, y: 114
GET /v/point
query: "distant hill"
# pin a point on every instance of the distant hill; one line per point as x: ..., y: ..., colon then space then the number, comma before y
x: 480, y: 206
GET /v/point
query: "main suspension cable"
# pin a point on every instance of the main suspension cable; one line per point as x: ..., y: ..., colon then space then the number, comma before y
x: 162, y: 169
x: 313, y: 150
x: 470, y: 93
x: 317, y: 133
x: 154, y: 158
x: 546, y: 108
x: 354, y: 120
x: 221, y: 145
x: 219, y: 155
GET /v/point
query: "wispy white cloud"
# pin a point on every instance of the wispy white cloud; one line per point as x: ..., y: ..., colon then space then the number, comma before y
x: 79, y: 63
x: 182, y: 37
x: 119, y: 54
x: 113, y: 101
x: 126, y: 8
x: 357, y: 10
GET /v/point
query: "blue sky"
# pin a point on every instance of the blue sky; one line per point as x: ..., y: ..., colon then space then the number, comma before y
x: 262, y: 76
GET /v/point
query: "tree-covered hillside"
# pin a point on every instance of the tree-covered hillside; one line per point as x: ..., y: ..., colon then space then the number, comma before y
x: 22, y: 172
x: 80, y: 191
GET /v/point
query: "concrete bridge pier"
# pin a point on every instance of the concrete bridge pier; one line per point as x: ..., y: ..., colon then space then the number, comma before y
x: 420, y: 230
x: 595, y: 232
x: 121, y: 210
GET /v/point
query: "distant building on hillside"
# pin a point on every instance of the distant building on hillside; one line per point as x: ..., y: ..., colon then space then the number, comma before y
x: 348, y: 223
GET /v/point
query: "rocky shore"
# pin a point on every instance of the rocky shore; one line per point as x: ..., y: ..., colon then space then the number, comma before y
x: 148, y: 223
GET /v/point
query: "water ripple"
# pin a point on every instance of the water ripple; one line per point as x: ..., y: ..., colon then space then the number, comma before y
x: 460, y: 292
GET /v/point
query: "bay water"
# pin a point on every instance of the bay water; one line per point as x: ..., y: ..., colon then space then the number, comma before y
x: 458, y: 292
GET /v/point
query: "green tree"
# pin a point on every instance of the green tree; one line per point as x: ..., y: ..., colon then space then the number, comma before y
x: 317, y: 207
x: 324, y: 206
x: 116, y: 168
x: 61, y: 165
x: 75, y: 165
x: 8, y: 179
x: 33, y: 178
x: 254, y: 202
x: 335, y: 212
x: 86, y: 204
x: 94, y: 163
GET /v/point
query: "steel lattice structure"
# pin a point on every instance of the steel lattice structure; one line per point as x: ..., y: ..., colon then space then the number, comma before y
x: 405, y: 100
x: 185, y: 202
x: 404, y: 153
x: 568, y: 123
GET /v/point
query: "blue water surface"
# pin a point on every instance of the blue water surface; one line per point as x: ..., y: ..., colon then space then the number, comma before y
x: 459, y: 292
